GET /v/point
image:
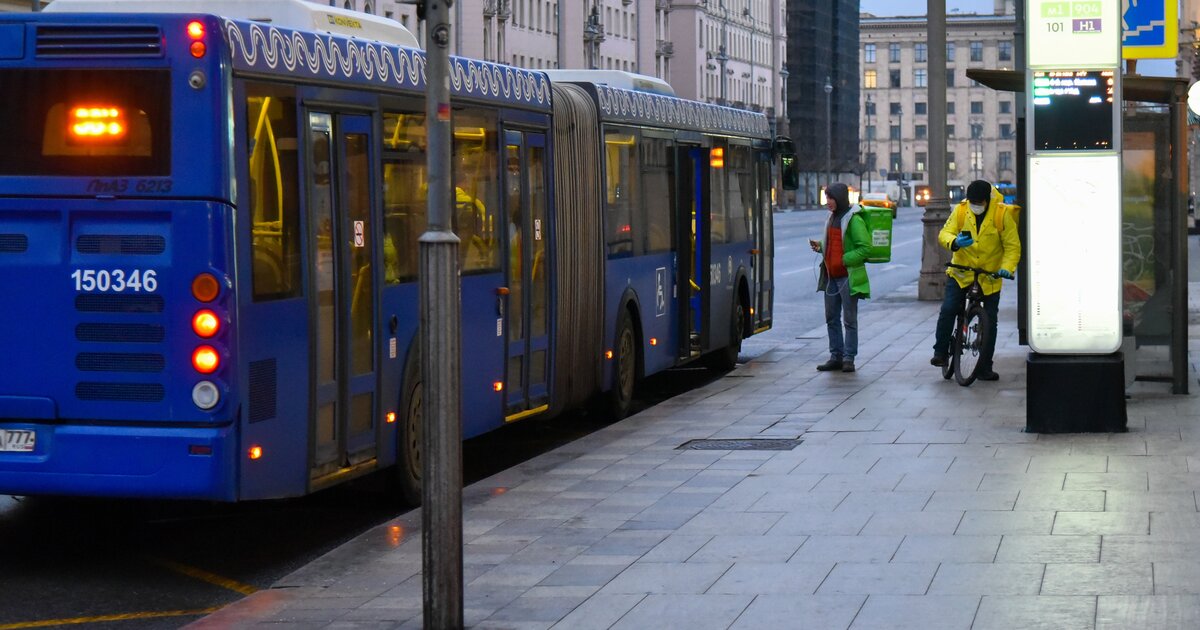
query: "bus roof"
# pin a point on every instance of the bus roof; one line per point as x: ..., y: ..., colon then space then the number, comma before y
x: 296, y: 14
x: 614, y: 78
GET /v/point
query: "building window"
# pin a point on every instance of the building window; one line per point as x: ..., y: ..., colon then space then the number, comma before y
x: 949, y: 52
x: 894, y: 53
x: 869, y: 53
x: 894, y: 132
x: 920, y: 109
x: 1006, y: 51
x: 920, y: 132
x: 949, y: 77
x: 870, y: 161
x: 976, y: 107
x: 895, y: 165
x: 976, y: 160
x: 1005, y: 130
x: 1005, y: 163
x: 919, y: 77
x: 869, y: 79
x: 1005, y: 107
x: 870, y: 133
x: 920, y: 161
x: 976, y: 131
x: 949, y: 131
x: 976, y: 51
x: 950, y: 166
x: 894, y: 78
x: 870, y: 108
x: 949, y: 107
x: 894, y: 109
x: 921, y: 53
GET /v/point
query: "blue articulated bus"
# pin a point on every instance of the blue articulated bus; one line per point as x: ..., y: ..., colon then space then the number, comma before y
x: 208, y: 240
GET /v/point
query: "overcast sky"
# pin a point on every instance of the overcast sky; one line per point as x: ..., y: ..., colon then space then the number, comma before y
x: 917, y: 7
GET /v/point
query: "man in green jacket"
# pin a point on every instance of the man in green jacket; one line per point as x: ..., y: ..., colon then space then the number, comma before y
x: 844, y: 246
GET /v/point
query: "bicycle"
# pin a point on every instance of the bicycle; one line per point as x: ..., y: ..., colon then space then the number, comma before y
x: 972, y: 326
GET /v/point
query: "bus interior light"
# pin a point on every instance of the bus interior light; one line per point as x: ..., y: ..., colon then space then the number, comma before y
x: 205, y: 395
x: 716, y: 157
x: 205, y: 323
x: 206, y: 360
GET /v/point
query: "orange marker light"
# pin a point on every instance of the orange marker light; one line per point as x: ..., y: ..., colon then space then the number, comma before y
x: 96, y: 123
x: 198, y: 49
x: 716, y: 157
x: 391, y: 417
x: 206, y: 360
x: 195, y: 29
x: 654, y: 341
x: 498, y: 386
x: 608, y: 354
x: 205, y: 287
x: 205, y: 323
x: 255, y: 452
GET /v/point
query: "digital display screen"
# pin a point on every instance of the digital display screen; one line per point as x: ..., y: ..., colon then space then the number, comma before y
x: 1073, y: 110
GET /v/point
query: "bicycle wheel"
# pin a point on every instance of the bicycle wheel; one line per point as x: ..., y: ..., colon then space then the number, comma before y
x: 952, y: 355
x: 973, y: 334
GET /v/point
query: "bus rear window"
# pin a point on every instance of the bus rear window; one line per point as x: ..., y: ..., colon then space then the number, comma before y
x: 85, y: 122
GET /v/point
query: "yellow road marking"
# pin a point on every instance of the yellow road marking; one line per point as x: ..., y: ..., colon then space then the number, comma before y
x: 205, y: 576
x: 103, y: 618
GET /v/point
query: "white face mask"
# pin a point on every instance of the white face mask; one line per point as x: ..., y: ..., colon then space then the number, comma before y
x: 978, y: 208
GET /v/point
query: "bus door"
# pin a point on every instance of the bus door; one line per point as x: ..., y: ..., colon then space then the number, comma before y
x: 342, y: 236
x: 527, y: 315
x: 764, y: 243
x: 692, y: 239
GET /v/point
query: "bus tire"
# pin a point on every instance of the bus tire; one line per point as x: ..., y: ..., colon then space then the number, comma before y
x: 725, y: 359
x: 624, y: 361
x: 406, y: 476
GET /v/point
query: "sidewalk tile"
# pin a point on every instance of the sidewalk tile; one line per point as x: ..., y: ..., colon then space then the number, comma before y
x: 826, y: 612
x: 1177, y: 578
x: 1106, y: 481
x: 792, y: 501
x: 599, y: 612
x: 1061, y: 500
x: 653, y: 577
x: 714, y: 523
x: 947, y: 548
x: 1135, y: 549
x: 1069, y: 463
x: 906, y: 465
x: 1157, y: 612
x: 801, y: 578
x: 684, y: 612
x: 896, y: 578
x: 987, y: 579
x: 749, y: 549
x: 940, y: 481
x: 816, y: 523
x: 1175, y: 525
x: 833, y: 549
x: 932, y: 612
x: 1133, y: 501
x: 1098, y: 579
x: 1049, y: 549
x: 1006, y: 612
x: 908, y: 523
x: 873, y: 500
x: 1023, y: 481
x: 1103, y: 523
x: 994, y: 522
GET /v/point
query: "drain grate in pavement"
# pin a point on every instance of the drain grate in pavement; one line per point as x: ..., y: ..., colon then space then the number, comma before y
x: 749, y: 444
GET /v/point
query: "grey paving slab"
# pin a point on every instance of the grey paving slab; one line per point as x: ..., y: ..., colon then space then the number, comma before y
x: 932, y: 612
x: 1006, y: 612
x: 987, y: 579
x: 684, y: 612
x: 599, y: 612
x: 1157, y: 612
x: 1062, y: 500
x: 1133, y: 501
x: 831, y: 549
x: 825, y: 612
x: 896, y: 578
x: 1103, y: 523
x: 908, y: 523
x: 748, y: 549
x: 947, y: 548
x: 969, y: 500
x: 1098, y: 579
x: 1049, y: 549
x: 977, y: 522
x: 654, y: 577
x: 794, y: 577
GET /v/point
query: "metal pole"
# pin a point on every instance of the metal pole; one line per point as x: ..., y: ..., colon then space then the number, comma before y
x: 441, y: 433
x: 1179, y: 290
x: 828, y: 131
x: 933, y: 256
x: 722, y: 55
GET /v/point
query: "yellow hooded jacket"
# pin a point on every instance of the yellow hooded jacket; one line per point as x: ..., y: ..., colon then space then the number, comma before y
x: 993, y: 249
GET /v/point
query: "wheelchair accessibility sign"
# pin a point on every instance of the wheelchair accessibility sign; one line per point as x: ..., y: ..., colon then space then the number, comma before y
x: 1150, y: 29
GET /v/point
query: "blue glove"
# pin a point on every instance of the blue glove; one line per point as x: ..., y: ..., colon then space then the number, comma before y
x: 1004, y: 273
x: 963, y: 240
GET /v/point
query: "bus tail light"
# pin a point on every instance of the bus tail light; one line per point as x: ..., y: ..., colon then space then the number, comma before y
x: 97, y: 123
x: 205, y: 395
x: 205, y: 287
x: 255, y: 452
x: 498, y: 386
x: 206, y: 360
x: 205, y: 323
x: 195, y: 32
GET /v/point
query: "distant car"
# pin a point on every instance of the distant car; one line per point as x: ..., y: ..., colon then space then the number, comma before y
x: 878, y: 200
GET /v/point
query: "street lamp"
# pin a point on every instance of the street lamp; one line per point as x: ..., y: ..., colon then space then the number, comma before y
x: 828, y: 131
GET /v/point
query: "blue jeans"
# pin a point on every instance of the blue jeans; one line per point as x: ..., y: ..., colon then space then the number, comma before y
x: 951, y: 305
x: 841, y: 306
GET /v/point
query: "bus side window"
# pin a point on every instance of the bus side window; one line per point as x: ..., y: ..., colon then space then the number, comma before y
x: 621, y: 194
x: 476, y: 189
x: 405, y: 186
x: 271, y: 129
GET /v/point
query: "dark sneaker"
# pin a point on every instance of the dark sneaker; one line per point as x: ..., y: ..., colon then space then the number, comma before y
x: 987, y: 376
x: 938, y: 360
x: 848, y: 365
x: 830, y: 365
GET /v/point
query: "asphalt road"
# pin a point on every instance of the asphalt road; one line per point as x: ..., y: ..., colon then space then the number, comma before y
x: 153, y: 564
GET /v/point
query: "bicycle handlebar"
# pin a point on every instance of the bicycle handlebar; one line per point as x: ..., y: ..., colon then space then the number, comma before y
x: 975, y: 269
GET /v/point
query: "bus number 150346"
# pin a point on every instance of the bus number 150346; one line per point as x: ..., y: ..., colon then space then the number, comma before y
x: 115, y: 280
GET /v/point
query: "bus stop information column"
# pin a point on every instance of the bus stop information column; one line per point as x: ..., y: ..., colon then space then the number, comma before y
x: 1073, y: 86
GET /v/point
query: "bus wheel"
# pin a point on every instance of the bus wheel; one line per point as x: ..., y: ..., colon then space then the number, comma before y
x: 407, y: 475
x: 725, y: 359
x: 624, y: 360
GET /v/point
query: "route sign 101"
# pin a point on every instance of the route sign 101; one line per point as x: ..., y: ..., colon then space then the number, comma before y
x: 1078, y: 32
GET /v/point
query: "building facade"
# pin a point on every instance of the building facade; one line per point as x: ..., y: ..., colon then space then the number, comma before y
x: 823, y: 50
x: 981, y: 124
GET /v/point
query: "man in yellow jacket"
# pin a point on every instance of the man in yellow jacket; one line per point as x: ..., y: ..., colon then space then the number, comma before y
x: 982, y: 233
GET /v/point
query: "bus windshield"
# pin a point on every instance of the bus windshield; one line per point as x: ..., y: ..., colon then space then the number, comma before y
x: 85, y: 122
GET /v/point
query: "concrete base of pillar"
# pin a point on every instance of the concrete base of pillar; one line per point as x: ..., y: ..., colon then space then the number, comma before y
x: 933, y: 256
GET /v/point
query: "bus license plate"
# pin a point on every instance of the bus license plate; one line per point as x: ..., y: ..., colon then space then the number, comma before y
x: 17, y: 440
